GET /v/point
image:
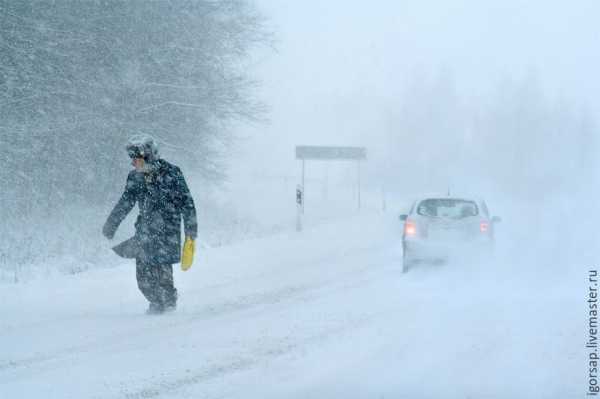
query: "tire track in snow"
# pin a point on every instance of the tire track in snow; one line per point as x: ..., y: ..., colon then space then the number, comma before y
x: 314, y: 262
x: 206, y: 313
x: 240, y: 364
x: 242, y: 303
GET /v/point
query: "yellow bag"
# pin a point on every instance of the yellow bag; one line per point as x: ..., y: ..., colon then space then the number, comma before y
x: 187, y: 257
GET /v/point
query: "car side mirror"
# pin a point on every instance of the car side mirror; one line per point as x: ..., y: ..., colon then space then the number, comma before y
x: 403, y: 217
x: 496, y: 219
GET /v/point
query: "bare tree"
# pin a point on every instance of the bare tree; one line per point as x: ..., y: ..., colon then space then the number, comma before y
x: 78, y: 77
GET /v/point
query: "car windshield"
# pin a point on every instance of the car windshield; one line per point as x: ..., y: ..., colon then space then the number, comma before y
x: 447, y: 208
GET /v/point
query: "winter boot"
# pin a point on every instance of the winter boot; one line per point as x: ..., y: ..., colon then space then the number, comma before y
x: 155, y: 308
x: 170, y: 307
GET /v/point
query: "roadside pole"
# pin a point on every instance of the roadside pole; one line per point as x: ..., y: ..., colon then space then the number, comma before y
x: 299, y: 207
x: 358, y: 178
x: 302, y: 188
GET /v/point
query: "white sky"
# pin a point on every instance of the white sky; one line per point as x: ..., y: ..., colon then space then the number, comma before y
x: 339, y: 62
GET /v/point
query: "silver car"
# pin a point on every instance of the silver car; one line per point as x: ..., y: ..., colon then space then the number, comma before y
x: 444, y: 227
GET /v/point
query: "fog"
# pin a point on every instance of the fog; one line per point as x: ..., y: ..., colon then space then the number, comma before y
x: 342, y: 69
x: 494, y: 101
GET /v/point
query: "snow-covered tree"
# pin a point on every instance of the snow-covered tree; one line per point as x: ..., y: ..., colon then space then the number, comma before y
x: 77, y: 78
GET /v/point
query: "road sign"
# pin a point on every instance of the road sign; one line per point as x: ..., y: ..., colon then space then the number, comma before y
x: 299, y: 206
x: 325, y: 153
x: 299, y: 195
x: 306, y: 152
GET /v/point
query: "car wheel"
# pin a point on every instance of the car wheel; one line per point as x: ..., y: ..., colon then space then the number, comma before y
x: 407, y: 261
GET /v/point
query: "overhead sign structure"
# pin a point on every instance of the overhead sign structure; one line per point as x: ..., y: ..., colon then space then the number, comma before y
x: 326, y: 153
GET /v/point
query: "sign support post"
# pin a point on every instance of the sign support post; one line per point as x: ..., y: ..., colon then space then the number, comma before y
x: 302, y: 185
x: 324, y: 153
x: 299, y: 207
x: 358, y: 179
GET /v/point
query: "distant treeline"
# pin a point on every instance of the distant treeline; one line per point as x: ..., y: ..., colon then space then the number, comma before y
x: 515, y: 138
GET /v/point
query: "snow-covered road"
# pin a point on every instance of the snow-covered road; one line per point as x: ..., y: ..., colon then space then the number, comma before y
x: 321, y: 314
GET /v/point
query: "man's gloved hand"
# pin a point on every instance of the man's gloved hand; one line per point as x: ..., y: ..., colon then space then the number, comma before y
x: 108, y: 231
x: 187, y: 256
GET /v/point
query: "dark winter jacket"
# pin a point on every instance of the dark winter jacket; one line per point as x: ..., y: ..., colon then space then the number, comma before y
x: 163, y: 199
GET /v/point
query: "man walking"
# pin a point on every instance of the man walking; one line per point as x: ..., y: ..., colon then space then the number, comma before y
x: 163, y: 198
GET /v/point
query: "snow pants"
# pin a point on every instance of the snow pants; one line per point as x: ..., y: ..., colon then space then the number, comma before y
x: 156, y: 283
